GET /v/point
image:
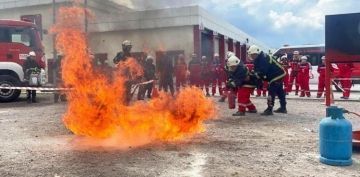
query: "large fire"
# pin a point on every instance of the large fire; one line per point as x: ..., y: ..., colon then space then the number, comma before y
x: 96, y: 109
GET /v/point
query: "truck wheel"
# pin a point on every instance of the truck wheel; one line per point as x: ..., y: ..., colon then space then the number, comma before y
x: 7, y: 95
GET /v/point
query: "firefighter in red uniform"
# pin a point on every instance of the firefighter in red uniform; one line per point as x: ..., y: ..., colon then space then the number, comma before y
x: 285, y: 63
x: 194, y: 69
x: 180, y: 72
x: 205, y: 75
x: 322, y: 72
x: 345, y: 76
x: 294, y: 64
x: 304, y: 77
x: 216, y: 75
x: 241, y: 79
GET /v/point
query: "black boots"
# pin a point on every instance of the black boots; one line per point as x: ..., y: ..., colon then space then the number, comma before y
x: 239, y: 114
x: 281, y: 110
x: 267, y: 112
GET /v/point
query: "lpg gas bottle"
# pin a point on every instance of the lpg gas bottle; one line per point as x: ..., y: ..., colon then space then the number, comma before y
x: 335, y: 138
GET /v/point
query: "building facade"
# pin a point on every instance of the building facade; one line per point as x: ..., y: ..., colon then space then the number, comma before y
x: 185, y: 30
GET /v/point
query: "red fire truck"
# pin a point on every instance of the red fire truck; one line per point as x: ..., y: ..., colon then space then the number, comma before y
x: 17, y: 39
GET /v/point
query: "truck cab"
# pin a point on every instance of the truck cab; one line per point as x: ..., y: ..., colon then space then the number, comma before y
x: 17, y: 39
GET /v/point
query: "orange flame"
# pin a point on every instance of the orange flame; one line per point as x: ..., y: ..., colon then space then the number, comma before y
x: 96, y: 108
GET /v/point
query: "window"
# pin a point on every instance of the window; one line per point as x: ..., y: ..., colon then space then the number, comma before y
x: 4, y: 35
x: 22, y: 36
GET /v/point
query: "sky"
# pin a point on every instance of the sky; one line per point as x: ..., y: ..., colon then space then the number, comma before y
x: 279, y: 22
x: 274, y: 22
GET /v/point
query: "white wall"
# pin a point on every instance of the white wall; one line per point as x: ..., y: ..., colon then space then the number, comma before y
x: 175, y: 38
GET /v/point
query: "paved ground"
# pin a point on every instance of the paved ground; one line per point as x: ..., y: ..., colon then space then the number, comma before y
x: 34, y: 142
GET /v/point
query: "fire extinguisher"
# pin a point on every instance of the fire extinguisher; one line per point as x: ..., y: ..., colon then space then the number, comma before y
x: 232, y: 98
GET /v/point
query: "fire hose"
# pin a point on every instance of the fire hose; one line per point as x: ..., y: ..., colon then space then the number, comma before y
x: 350, y: 112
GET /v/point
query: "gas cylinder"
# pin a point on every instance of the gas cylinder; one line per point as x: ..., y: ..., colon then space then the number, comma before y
x: 335, y: 138
x: 231, y: 99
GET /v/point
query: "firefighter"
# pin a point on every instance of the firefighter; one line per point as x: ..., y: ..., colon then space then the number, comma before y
x: 304, y: 76
x: 149, y: 74
x: 294, y: 65
x: 216, y: 75
x: 31, y: 67
x: 121, y: 57
x: 285, y: 64
x: 125, y: 54
x: 225, y: 76
x: 166, y: 72
x: 241, y: 80
x: 194, y: 70
x: 205, y: 75
x: 268, y: 69
x: 345, y: 76
x: 180, y: 72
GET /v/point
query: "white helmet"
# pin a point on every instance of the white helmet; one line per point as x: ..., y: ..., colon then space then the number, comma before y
x: 216, y: 55
x: 126, y: 43
x: 254, y: 50
x: 304, y: 58
x: 233, y: 61
x: 229, y: 54
x: 323, y: 58
x: 203, y: 57
x: 283, y: 57
x: 296, y: 52
x: 32, y: 53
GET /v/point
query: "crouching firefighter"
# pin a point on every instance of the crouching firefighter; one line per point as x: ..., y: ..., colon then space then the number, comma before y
x: 240, y: 79
x: 268, y: 69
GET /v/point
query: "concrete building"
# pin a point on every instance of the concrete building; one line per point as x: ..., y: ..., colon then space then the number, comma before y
x: 186, y: 30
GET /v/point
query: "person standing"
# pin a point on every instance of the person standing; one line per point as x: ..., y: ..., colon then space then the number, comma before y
x: 31, y: 67
x: 205, y: 75
x: 180, y: 72
x: 122, y: 56
x: 304, y: 77
x: 195, y: 70
x: 166, y: 71
x: 268, y: 69
x: 216, y: 75
x: 322, y: 73
x: 345, y: 76
x: 285, y: 64
x: 149, y: 74
x: 294, y: 65
x: 241, y: 80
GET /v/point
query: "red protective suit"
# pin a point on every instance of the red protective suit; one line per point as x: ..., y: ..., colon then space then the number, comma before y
x: 345, y: 75
x: 195, y: 69
x: 205, y: 74
x: 304, y: 78
x: 262, y: 89
x: 217, y: 72
x: 294, y: 65
x: 286, y: 66
x: 180, y: 75
x: 244, y: 102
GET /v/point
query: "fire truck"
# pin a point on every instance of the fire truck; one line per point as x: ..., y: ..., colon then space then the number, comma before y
x: 17, y: 39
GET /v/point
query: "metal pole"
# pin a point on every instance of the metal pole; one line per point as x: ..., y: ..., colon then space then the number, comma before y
x: 86, y: 18
x: 54, y: 43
